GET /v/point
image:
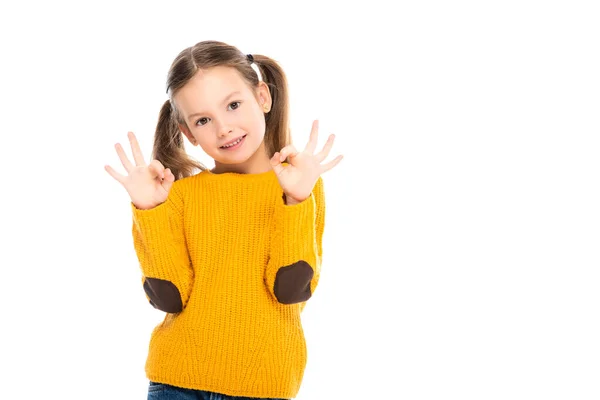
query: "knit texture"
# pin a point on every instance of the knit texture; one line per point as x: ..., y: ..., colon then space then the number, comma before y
x: 221, y: 240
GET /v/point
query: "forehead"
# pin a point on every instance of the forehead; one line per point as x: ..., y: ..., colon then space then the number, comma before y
x: 210, y: 86
x: 217, y: 75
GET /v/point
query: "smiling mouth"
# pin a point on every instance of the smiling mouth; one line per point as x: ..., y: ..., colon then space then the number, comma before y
x: 234, y: 143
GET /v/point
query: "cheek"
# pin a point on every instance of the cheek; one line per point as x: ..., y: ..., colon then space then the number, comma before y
x: 261, y: 125
x: 259, y: 122
x: 252, y: 121
x: 206, y: 145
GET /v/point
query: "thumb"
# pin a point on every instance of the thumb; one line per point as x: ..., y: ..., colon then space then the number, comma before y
x: 276, y: 163
x: 156, y: 168
x: 168, y: 181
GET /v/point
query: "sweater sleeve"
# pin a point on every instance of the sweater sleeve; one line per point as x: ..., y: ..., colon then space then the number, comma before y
x: 159, y: 242
x: 294, y: 265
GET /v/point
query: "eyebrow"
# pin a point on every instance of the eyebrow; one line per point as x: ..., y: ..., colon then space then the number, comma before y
x: 224, y: 101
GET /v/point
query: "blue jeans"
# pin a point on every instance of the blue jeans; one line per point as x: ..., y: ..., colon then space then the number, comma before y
x: 162, y: 391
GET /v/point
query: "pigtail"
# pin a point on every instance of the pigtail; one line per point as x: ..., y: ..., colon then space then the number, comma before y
x: 277, y: 134
x: 168, y: 145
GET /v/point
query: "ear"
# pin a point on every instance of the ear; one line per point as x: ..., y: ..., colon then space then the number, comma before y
x: 187, y: 133
x: 264, y: 96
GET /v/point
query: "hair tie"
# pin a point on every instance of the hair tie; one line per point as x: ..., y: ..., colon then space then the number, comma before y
x: 254, y: 66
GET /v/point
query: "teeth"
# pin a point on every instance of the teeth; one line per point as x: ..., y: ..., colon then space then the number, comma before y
x: 234, y: 143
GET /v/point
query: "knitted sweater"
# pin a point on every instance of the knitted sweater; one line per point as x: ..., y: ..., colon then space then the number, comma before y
x: 232, y: 266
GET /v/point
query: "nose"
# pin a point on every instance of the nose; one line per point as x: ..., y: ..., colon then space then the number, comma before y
x: 223, y: 129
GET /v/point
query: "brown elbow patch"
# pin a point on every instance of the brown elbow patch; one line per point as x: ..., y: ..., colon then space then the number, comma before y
x: 292, y: 283
x: 163, y: 295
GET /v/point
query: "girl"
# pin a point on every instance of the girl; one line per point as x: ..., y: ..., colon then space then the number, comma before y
x: 231, y: 254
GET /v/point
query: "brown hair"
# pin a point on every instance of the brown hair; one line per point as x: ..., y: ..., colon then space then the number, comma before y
x: 168, y: 139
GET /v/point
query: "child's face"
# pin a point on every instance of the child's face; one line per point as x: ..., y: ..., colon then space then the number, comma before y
x: 215, y: 118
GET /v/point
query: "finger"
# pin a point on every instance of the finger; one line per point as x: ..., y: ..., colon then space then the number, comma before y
x: 135, y: 149
x: 312, y: 141
x: 331, y: 164
x: 157, y: 169
x: 326, y: 149
x: 287, y: 151
x: 120, y: 178
x: 123, y: 157
x: 168, y: 181
x: 276, y: 163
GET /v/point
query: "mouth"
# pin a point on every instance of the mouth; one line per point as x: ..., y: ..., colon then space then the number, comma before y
x: 234, y: 144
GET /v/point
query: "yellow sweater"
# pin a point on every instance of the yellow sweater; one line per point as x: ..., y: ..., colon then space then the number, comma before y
x: 232, y: 266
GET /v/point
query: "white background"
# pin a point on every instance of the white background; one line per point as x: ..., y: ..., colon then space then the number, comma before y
x: 461, y: 243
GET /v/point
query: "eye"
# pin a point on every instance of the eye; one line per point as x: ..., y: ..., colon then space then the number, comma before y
x: 205, y: 120
x: 201, y: 119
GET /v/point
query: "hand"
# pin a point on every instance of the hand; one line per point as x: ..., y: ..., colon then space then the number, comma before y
x: 147, y: 185
x: 298, y: 178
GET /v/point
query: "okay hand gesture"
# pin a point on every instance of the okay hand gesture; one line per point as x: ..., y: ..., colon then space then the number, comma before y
x: 147, y: 185
x: 298, y: 178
